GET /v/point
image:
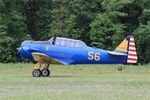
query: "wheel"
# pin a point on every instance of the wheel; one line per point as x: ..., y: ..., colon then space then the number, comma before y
x: 45, y: 72
x: 120, y: 68
x: 36, y: 73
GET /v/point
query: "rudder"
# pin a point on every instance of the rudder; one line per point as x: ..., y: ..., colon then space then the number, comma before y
x: 127, y: 46
x: 132, y: 54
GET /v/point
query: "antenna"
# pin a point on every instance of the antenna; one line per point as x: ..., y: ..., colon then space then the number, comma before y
x: 54, y: 39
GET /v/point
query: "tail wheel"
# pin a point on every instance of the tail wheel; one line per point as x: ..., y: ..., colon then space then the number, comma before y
x: 36, y: 73
x: 120, y: 68
x: 45, y: 72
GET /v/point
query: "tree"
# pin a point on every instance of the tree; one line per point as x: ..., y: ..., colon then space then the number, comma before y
x: 145, y: 17
x: 142, y: 37
x: 107, y: 28
x: 12, y: 30
x: 103, y: 29
x: 103, y: 21
x: 142, y: 33
x: 38, y: 18
x: 60, y: 15
x: 82, y: 12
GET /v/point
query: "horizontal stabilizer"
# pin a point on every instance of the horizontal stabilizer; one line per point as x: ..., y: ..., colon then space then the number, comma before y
x: 117, y: 53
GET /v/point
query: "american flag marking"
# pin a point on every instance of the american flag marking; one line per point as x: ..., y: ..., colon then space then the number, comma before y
x: 132, y: 55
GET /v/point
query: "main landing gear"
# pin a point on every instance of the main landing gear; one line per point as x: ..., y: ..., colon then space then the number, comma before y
x: 44, y: 72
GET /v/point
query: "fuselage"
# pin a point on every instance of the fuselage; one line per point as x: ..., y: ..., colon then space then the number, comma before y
x: 69, y: 54
x: 60, y: 50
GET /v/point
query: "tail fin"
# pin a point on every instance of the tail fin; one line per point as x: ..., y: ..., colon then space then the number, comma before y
x: 132, y: 54
x: 127, y: 46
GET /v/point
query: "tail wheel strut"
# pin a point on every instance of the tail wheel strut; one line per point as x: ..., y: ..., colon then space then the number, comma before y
x: 120, y: 68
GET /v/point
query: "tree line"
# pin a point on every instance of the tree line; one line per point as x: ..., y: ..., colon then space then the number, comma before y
x: 104, y: 21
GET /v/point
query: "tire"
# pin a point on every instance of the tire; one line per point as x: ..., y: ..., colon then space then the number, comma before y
x: 36, y: 73
x: 45, y: 72
x: 120, y: 68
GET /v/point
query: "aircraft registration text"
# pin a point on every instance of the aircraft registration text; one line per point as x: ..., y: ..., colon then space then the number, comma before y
x: 94, y: 56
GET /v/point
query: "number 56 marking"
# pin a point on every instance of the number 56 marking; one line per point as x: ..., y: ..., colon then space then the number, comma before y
x: 94, y: 56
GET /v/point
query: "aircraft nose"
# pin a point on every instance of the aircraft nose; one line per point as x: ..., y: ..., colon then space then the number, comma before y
x: 23, y: 50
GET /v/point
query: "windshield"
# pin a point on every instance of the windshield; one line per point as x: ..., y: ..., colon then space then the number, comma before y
x: 68, y: 42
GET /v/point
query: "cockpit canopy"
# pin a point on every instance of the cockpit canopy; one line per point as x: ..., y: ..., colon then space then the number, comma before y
x: 67, y: 42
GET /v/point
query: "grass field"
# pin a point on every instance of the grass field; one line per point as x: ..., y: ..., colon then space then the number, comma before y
x: 76, y: 82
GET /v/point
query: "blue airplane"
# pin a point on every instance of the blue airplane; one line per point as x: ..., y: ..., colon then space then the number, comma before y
x: 60, y: 50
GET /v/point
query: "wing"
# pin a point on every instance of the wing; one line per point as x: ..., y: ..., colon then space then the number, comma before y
x: 117, y: 53
x: 43, y: 58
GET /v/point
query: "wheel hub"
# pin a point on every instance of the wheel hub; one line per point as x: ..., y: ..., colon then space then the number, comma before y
x: 36, y: 72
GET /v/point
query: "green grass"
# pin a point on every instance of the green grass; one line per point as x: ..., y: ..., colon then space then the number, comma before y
x: 76, y: 82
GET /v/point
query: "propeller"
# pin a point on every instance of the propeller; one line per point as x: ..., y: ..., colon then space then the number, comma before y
x: 18, y: 50
x: 19, y: 59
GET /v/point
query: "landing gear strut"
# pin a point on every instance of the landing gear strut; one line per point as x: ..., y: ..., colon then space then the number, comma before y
x: 44, y: 72
x: 120, y: 68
